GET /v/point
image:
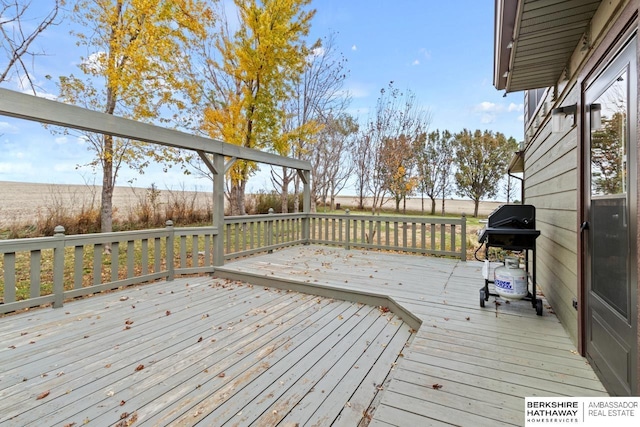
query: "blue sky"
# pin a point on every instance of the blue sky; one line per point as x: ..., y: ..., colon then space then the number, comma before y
x: 441, y: 50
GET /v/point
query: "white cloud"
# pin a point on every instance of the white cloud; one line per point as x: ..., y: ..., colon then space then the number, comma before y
x: 8, y: 128
x: 94, y: 62
x: 416, y: 62
x: 354, y: 47
x: 488, y: 107
x: 521, y: 118
x: 318, y: 51
x: 61, y: 140
x: 515, y: 107
x: 487, y: 118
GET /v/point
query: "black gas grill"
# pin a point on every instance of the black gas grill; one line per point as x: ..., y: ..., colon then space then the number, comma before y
x: 512, y: 228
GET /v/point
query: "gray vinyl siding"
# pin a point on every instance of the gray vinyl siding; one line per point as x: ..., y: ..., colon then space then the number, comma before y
x: 551, y: 185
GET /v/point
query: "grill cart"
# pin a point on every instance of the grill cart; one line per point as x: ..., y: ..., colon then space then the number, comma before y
x: 512, y: 228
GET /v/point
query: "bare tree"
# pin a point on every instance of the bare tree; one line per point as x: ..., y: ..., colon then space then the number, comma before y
x: 330, y: 160
x: 318, y: 97
x: 20, y: 25
x: 362, y: 157
x: 398, y: 117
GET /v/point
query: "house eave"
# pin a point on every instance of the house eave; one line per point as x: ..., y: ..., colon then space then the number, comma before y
x: 534, y: 40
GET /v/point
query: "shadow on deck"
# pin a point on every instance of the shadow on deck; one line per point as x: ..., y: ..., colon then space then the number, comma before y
x: 303, y: 336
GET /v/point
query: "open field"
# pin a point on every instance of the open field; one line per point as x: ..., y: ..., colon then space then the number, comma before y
x: 23, y: 202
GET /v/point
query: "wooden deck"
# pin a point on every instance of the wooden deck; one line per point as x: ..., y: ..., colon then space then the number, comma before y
x: 467, y: 365
x: 318, y: 346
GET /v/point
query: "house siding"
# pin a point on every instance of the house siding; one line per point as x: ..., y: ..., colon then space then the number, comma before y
x: 551, y: 185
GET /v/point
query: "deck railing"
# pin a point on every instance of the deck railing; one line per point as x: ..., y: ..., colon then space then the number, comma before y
x: 49, y: 270
x: 430, y: 236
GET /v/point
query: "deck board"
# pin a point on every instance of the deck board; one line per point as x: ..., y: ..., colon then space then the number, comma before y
x: 217, y: 351
x: 486, y: 359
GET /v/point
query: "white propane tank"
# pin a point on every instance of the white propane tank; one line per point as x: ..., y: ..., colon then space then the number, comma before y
x: 510, y: 281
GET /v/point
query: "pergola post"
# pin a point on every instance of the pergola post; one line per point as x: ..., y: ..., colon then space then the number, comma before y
x: 305, y: 175
x: 218, y: 209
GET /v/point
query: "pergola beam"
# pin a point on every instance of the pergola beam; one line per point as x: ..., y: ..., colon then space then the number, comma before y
x: 29, y: 107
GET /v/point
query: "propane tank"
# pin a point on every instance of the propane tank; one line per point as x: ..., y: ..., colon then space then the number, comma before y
x: 510, y: 281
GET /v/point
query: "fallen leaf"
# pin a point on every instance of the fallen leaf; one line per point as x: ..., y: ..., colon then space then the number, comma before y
x: 436, y: 386
x: 108, y: 365
x: 200, y: 339
x: 124, y: 415
x: 124, y: 298
x: 140, y: 367
x: 43, y: 395
x: 69, y: 425
x: 467, y: 318
x: 12, y: 347
x: 221, y: 375
x: 122, y: 402
x: 128, y: 322
x: 167, y: 312
x: 23, y: 333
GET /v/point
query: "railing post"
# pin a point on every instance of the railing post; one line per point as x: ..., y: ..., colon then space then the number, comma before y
x: 58, y: 267
x: 169, y: 252
x: 270, y: 231
x: 347, y: 246
x: 463, y: 238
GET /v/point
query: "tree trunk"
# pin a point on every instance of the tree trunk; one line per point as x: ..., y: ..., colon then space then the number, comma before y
x: 475, y: 207
x: 296, y: 194
x: 236, y: 199
x: 106, y: 214
x: 443, y: 206
x: 433, y: 205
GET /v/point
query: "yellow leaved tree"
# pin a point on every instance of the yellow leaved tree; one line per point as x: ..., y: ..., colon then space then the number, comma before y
x: 258, y: 66
x: 138, y: 52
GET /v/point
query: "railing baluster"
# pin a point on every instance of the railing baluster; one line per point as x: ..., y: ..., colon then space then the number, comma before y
x: 453, y: 237
x: 404, y: 234
x: 183, y: 251
x: 433, y: 237
x: 58, y: 267
x: 34, y: 273
x: 145, y: 256
x: 413, y: 235
x: 115, y: 260
x: 78, y: 266
x: 131, y: 251
x: 463, y: 238
x: 170, y: 262
x: 157, y: 255
x: 97, y: 263
x: 195, y: 252
x: 207, y: 250
x: 9, y: 277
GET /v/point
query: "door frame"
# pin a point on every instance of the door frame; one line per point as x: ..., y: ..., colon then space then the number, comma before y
x: 612, y: 44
